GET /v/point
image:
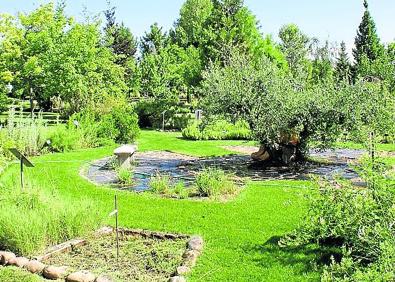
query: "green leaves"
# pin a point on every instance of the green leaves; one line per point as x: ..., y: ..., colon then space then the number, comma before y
x: 367, y: 43
x: 275, y: 106
x: 54, y: 56
x: 354, y: 222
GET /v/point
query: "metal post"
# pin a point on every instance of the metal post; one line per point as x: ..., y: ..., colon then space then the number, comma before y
x: 116, y: 224
x: 31, y: 103
x: 372, y: 155
x: 163, y: 121
x: 372, y: 149
x: 21, y: 161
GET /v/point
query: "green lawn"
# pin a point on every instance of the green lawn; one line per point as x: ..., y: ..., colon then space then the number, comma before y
x: 240, y: 236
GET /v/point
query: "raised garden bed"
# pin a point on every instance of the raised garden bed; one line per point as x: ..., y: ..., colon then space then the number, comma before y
x: 143, y: 256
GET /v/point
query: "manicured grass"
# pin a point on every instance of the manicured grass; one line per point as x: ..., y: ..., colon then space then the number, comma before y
x: 240, y: 235
x: 13, y: 274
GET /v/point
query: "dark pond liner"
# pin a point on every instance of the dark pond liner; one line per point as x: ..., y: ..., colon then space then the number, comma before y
x: 179, y: 169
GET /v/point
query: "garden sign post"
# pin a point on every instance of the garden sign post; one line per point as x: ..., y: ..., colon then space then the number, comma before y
x: 115, y: 212
x: 198, y: 114
x: 23, y: 161
x: 163, y: 120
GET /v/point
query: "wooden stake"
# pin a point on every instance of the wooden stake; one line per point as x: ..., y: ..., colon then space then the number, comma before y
x: 116, y: 225
x: 21, y: 161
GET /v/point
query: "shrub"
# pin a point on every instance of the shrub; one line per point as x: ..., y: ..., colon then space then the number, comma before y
x: 150, y: 114
x: 3, y: 101
x: 359, y: 222
x: 27, y: 135
x: 126, y: 122
x: 93, y: 128
x: 179, y: 120
x: 212, y: 182
x: 160, y: 184
x: 217, y: 130
x: 64, y: 139
x: 192, y: 132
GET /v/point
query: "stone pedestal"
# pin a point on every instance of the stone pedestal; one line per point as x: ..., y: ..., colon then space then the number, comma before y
x: 125, y: 155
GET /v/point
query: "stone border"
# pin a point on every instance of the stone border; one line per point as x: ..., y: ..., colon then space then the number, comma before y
x: 194, y: 248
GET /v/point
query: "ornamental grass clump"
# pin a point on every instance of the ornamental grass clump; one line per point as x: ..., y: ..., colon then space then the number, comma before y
x: 26, y: 134
x: 213, y: 182
x: 356, y: 223
x: 124, y: 175
x: 33, y: 219
x: 180, y: 190
x: 160, y: 183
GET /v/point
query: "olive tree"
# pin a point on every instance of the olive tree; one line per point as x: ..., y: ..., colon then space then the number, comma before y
x: 286, y: 118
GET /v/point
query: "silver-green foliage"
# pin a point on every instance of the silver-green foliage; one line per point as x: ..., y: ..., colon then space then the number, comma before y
x: 276, y: 105
x: 27, y: 135
x: 359, y: 222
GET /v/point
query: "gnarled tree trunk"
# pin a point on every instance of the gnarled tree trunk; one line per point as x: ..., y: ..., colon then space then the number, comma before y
x: 287, y: 152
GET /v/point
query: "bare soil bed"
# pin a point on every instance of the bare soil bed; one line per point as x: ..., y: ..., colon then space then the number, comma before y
x: 140, y: 258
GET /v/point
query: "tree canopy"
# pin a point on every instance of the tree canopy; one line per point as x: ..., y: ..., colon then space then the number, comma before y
x: 47, y: 54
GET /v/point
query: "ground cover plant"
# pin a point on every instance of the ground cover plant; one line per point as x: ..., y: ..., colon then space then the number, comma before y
x: 143, y: 259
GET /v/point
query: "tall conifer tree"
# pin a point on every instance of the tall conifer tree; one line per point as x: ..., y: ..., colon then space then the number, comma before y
x: 343, y: 65
x: 367, y: 42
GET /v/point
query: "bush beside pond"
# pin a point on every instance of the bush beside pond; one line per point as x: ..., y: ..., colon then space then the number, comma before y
x: 217, y: 130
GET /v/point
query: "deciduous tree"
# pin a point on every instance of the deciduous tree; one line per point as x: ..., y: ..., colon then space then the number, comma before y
x: 295, y: 46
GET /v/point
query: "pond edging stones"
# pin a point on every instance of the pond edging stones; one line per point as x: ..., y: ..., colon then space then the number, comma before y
x: 194, y: 248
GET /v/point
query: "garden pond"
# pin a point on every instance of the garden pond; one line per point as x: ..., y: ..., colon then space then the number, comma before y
x: 184, y: 168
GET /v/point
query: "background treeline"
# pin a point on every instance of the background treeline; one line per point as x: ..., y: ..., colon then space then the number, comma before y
x: 49, y: 57
x: 214, y: 58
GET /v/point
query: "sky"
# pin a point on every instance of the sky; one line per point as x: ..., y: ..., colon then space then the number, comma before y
x: 333, y: 20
